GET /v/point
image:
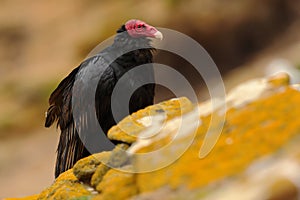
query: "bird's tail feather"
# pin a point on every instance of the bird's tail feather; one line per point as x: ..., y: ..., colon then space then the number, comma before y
x: 70, y: 150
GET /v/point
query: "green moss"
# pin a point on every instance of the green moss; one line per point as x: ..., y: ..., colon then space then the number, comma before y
x: 82, y: 198
x: 86, y: 167
x: 99, y: 174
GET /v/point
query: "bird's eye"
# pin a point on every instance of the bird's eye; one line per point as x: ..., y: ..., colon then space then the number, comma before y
x: 141, y: 26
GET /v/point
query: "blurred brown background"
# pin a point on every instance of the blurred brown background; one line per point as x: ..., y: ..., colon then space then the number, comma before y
x: 42, y: 41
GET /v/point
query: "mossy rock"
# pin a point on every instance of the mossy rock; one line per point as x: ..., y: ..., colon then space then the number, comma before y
x: 260, y: 137
x: 117, y: 185
x: 66, y: 186
x: 86, y: 167
x: 130, y: 127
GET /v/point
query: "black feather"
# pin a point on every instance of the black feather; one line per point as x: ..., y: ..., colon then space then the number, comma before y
x: 70, y: 147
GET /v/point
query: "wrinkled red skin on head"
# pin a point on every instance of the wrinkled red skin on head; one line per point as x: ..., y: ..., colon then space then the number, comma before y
x: 137, y: 28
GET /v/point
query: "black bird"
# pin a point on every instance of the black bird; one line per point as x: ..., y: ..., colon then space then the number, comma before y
x: 130, y: 37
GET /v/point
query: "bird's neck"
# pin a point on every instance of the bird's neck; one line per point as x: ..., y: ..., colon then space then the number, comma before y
x: 127, y: 43
x: 133, y: 51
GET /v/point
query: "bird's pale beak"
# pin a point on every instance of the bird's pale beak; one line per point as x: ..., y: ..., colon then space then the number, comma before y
x: 158, y: 35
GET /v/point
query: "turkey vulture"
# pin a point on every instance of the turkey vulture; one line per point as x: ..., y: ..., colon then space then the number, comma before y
x: 133, y: 34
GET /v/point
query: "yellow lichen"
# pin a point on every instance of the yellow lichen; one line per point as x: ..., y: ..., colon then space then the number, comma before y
x: 85, y: 168
x: 251, y: 131
x: 116, y: 158
x: 280, y: 79
x: 98, y: 175
x: 116, y: 185
x: 128, y: 129
x: 67, y: 175
x: 254, y: 131
x: 66, y: 186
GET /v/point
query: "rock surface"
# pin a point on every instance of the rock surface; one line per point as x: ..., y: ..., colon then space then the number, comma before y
x: 257, y: 151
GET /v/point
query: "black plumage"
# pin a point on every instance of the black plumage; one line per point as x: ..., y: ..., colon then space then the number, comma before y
x: 98, y: 68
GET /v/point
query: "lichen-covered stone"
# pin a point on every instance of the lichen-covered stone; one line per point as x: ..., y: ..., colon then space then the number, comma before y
x: 119, y: 156
x: 98, y: 175
x: 280, y: 79
x: 257, y: 151
x: 85, y: 168
x: 129, y: 128
x: 116, y: 185
x: 65, y: 190
x: 67, y: 175
x: 274, y: 177
x: 66, y: 186
x: 250, y: 133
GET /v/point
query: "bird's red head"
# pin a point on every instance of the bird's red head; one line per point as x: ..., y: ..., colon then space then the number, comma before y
x: 137, y: 28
